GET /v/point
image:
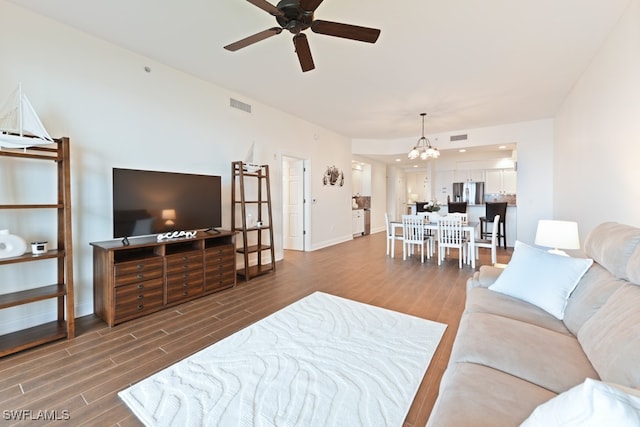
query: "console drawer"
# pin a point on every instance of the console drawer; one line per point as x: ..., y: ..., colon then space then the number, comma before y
x: 138, y: 298
x: 179, y: 288
x: 136, y: 271
x: 183, y: 262
x: 219, y: 253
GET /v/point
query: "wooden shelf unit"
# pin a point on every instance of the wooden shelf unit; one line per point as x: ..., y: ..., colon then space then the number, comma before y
x: 62, y: 290
x: 148, y: 275
x: 256, y: 241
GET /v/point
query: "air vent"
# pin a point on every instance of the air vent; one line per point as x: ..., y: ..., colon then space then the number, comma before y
x: 458, y: 137
x: 239, y: 105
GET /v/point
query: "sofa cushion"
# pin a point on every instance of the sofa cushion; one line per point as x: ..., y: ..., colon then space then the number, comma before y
x: 633, y: 267
x: 611, y: 337
x: 475, y: 395
x: 590, y: 404
x: 482, y: 300
x: 541, y: 278
x: 484, y: 277
x: 611, y: 245
x: 593, y: 290
x: 543, y: 357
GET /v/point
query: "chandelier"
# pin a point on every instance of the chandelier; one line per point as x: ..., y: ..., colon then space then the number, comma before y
x: 423, y: 148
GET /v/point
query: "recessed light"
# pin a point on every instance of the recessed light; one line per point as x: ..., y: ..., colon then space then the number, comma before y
x: 398, y: 160
x: 502, y: 147
x: 415, y: 166
x: 463, y: 150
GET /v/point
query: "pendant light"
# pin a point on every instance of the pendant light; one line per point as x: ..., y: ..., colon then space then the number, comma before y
x: 423, y: 148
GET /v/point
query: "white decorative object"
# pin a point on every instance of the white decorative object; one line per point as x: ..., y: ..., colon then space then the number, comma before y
x: 249, y: 164
x: 20, y: 126
x: 177, y: 235
x: 39, y: 248
x: 11, y: 245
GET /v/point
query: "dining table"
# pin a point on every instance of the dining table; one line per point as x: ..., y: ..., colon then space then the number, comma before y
x: 469, y: 227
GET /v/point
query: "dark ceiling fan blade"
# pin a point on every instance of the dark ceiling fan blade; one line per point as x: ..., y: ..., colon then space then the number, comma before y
x: 304, y: 52
x: 253, y: 39
x: 309, y: 5
x: 267, y: 7
x: 353, y: 32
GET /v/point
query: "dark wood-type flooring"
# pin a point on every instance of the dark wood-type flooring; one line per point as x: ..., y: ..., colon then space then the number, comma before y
x: 81, y: 377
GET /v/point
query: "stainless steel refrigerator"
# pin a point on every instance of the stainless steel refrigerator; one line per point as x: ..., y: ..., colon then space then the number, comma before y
x: 470, y: 192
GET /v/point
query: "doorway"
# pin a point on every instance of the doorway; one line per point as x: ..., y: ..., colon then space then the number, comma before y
x: 294, y: 215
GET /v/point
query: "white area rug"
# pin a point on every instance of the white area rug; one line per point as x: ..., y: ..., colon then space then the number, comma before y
x: 321, y: 361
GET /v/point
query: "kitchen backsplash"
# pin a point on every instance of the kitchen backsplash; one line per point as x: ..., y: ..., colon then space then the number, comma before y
x: 497, y: 197
x: 363, y: 202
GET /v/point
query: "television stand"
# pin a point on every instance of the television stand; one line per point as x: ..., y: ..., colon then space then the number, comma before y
x: 146, y: 275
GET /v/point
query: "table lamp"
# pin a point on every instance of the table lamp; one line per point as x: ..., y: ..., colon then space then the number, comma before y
x: 169, y: 216
x: 557, y: 235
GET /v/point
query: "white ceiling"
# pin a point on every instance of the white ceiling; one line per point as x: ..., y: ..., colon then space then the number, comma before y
x: 466, y: 63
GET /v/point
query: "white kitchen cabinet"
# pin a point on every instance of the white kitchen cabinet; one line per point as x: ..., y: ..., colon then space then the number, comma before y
x: 500, y: 181
x: 509, y: 181
x: 357, y: 224
x: 471, y: 175
x: 443, y: 185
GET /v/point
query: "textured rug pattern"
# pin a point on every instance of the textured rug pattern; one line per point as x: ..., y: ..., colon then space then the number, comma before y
x: 321, y: 361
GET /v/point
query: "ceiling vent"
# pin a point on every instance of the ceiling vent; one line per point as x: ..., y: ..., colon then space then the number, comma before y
x: 239, y: 105
x: 453, y: 138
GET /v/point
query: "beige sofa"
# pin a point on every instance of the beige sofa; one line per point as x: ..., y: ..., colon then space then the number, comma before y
x: 510, y: 356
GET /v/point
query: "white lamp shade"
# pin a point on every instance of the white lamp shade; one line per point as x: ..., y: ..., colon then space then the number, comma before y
x: 168, y: 214
x: 557, y: 234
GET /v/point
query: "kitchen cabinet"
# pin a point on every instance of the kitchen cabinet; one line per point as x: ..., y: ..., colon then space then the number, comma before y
x: 443, y: 185
x: 509, y: 180
x: 500, y: 181
x: 471, y: 175
x: 357, y: 224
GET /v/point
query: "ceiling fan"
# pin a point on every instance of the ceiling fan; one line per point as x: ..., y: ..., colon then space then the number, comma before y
x: 296, y: 16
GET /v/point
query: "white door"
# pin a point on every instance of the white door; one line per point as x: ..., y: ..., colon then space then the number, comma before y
x: 293, y: 203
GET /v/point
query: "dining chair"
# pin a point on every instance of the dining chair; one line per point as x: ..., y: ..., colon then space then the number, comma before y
x: 490, y: 243
x: 491, y: 210
x: 413, y: 232
x: 463, y: 216
x: 391, y: 236
x: 451, y: 234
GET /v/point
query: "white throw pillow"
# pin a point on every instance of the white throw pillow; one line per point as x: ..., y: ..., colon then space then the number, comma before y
x: 590, y: 404
x: 541, y: 278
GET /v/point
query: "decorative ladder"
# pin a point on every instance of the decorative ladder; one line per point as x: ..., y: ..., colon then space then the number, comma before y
x: 251, y: 215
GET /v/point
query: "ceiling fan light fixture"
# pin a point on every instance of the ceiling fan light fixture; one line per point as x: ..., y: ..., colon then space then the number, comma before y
x: 423, y: 148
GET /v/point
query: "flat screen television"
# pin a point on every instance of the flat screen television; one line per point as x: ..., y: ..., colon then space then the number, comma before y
x: 150, y: 202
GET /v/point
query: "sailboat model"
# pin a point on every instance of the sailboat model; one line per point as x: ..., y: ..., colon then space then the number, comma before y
x: 20, y: 126
x: 249, y: 164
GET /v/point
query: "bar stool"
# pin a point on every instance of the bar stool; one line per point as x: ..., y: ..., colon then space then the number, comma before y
x: 491, y: 210
x: 457, y: 207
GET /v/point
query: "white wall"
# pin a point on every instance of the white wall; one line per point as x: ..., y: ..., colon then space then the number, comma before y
x: 597, y: 149
x: 535, y: 164
x: 118, y: 115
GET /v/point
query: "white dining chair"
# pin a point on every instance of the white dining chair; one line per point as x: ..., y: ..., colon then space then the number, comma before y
x: 391, y: 236
x: 463, y: 216
x: 413, y: 233
x: 490, y: 243
x: 451, y: 234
